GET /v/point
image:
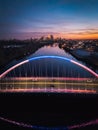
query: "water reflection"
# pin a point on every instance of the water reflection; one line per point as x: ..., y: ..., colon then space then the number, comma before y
x: 51, y: 50
x: 49, y: 75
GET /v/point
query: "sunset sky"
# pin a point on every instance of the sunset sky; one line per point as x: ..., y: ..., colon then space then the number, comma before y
x: 24, y: 19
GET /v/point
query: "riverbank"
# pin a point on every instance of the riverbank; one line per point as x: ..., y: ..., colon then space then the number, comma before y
x: 86, y: 56
x: 17, y: 50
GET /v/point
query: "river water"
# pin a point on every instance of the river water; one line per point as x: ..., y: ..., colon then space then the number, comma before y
x: 55, y: 50
x: 50, y: 67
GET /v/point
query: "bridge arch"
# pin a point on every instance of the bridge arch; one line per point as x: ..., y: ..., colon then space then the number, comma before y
x: 52, y: 57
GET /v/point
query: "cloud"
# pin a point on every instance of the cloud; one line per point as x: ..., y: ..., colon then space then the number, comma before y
x: 84, y: 33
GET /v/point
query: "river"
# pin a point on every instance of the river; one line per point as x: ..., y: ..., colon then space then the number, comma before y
x: 50, y: 67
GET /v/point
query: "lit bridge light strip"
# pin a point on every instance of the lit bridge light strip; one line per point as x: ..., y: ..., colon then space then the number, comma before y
x: 45, y: 57
x: 72, y: 127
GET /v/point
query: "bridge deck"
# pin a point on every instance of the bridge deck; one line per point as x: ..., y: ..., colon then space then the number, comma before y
x: 41, y: 84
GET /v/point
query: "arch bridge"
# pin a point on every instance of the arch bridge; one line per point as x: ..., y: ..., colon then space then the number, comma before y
x: 52, y: 84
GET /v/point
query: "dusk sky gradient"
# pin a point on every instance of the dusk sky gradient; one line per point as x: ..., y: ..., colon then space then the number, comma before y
x: 24, y: 19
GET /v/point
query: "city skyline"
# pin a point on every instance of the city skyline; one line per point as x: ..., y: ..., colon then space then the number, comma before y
x: 75, y: 19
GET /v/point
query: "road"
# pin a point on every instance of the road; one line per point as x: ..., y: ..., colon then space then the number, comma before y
x: 49, y: 86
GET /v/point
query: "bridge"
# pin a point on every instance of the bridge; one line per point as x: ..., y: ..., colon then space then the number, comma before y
x: 49, y: 84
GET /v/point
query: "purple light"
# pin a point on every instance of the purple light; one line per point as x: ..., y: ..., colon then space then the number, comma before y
x: 86, y: 68
x: 13, y: 67
x: 21, y: 124
x: 44, y: 57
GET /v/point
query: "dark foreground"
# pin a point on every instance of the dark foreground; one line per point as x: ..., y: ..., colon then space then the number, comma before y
x: 49, y: 110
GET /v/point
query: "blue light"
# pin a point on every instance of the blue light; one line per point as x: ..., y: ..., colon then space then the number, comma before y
x: 49, y: 128
x: 52, y: 57
x: 64, y: 58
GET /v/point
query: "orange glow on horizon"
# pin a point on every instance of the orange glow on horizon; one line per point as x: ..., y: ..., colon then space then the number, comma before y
x: 76, y: 36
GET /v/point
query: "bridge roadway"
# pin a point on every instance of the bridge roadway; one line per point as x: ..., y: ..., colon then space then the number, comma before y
x: 42, y: 84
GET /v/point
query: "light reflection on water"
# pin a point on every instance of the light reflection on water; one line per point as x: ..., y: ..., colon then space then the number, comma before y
x: 51, y: 50
x: 50, y: 68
